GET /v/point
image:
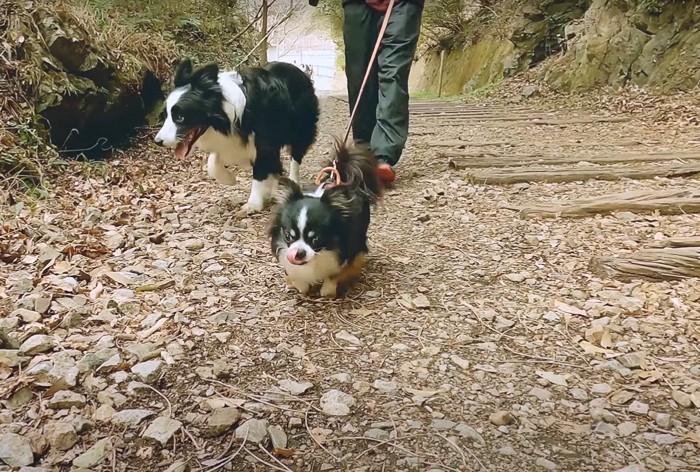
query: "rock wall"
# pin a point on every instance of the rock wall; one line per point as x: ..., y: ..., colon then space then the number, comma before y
x: 618, y: 44
x: 575, y: 45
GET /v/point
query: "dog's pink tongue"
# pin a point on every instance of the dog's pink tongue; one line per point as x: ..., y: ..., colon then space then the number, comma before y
x: 291, y: 256
x: 181, y: 150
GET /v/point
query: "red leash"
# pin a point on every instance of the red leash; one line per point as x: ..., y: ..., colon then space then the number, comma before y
x: 380, y: 36
x: 334, y: 177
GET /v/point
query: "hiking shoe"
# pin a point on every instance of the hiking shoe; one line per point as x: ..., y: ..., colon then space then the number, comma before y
x: 386, y: 172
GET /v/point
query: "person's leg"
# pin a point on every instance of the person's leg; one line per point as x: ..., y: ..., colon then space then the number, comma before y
x: 394, y: 63
x: 360, y: 28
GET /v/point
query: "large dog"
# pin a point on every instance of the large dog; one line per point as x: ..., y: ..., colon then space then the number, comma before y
x: 242, y: 118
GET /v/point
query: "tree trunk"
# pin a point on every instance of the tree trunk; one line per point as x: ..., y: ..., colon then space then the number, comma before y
x: 263, y: 33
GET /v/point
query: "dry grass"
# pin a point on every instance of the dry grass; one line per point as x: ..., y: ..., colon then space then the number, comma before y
x: 31, y: 78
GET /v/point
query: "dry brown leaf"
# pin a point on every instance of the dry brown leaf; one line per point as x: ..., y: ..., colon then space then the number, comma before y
x: 551, y: 377
x: 421, y: 301
x: 119, y: 278
x: 422, y: 393
x: 569, y: 309
x: 593, y: 349
x: 606, y: 339
x: 286, y: 453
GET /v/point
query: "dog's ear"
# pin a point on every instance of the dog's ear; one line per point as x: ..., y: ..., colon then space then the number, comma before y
x: 183, y: 73
x: 287, y: 191
x: 206, y: 75
x: 341, y: 200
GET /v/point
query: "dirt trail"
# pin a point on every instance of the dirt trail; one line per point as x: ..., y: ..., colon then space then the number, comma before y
x: 476, y: 340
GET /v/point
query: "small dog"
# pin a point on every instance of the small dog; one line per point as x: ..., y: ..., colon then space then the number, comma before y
x: 322, y: 236
x: 242, y: 119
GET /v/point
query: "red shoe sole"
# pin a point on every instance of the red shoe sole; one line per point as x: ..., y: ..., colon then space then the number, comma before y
x: 386, y: 173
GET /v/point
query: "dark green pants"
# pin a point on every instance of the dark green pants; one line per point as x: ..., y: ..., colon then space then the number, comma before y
x: 382, y: 117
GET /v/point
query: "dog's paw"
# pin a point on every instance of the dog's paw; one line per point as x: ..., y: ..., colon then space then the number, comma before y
x: 329, y: 289
x: 253, y: 207
x: 226, y: 178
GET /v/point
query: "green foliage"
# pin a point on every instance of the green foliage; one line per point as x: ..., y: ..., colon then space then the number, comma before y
x: 444, y: 22
x: 201, y: 28
x: 653, y: 7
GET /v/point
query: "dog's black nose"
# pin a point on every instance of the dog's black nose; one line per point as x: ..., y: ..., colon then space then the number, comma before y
x: 159, y: 142
x: 300, y: 255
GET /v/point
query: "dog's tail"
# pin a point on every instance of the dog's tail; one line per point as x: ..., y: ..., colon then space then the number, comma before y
x: 358, y: 169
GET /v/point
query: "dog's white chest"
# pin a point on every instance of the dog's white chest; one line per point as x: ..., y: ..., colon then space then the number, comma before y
x: 324, y: 265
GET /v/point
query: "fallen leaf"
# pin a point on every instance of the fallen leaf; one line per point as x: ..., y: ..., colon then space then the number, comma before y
x: 556, y: 379
x: 321, y: 435
x: 695, y: 398
x: 571, y: 310
x: 621, y: 397
x: 606, y: 340
x: 422, y: 393
x: 593, y: 349
x: 119, y: 278
x: 286, y: 453
x: 155, y: 287
x: 421, y: 301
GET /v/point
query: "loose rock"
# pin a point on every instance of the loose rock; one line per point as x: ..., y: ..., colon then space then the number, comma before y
x: 131, y: 417
x: 385, y: 386
x: 15, y: 450
x: 65, y: 399
x: 36, y: 345
x: 278, y: 437
x: 501, y: 418
x: 162, y: 429
x: 377, y: 433
x: 470, y: 433
x: 336, y: 403
x: 148, y: 371
x: 638, y: 408
x: 93, y: 456
x: 295, y: 388
x: 347, y: 337
x: 254, y: 431
x: 222, y: 419
x: 546, y: 464
x: 61, y: 436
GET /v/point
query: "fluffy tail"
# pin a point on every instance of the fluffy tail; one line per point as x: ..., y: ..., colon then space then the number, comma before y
x: 358, y: 170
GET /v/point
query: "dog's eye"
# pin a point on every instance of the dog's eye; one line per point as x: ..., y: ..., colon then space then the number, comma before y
x: 178, y: 119
x: 288, y: 236
x: 314, y: 240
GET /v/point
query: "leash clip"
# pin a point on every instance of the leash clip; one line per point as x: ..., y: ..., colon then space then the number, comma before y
x: 333, y: 177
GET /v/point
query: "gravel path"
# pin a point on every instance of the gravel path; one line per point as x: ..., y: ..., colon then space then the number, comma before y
x: 148, y: 327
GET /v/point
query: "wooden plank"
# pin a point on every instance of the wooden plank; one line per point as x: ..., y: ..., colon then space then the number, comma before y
x: 650, y: 264
x: 461, y: 144
x: 466, y: 159
x: 561, y: 122
x: 541, y: 174
x: 441, y: 119
x: 458, y: 143
x: 667, y: 202
x: 688, y: 241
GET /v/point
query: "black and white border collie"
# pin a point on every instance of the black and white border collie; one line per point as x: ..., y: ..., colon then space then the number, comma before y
x: 243, y: 119
x: 321, y: 236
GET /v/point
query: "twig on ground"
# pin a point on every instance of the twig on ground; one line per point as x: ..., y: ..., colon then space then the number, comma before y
x: 170, y: 405
x: 461, y: 452
x: 271, y: 466
x: 231, y: 457
x: 541, y: 359
x: 272, y: 456
x: 306, y: 423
